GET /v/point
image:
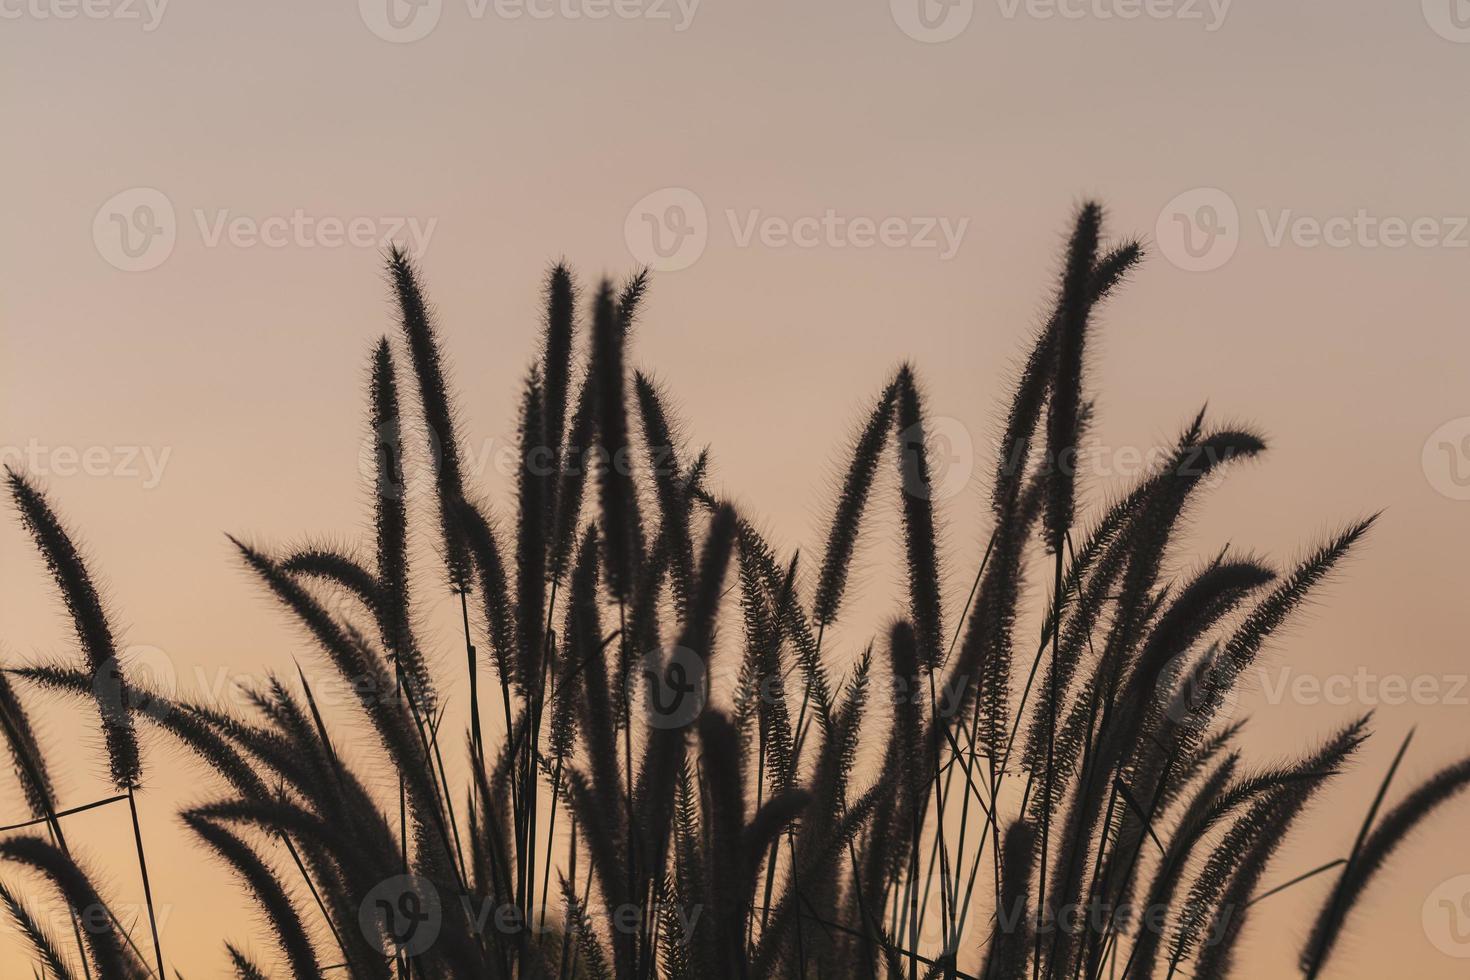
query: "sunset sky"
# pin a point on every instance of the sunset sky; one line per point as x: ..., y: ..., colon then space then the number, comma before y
x: 200, y: 194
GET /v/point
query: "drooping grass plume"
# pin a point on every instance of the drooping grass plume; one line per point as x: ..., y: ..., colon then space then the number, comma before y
x: 434, y: 399
x: 41, y: 943
x: 1262, y: 622
x: 534, y: 490
x: 495, y: 595
x: 630, y: 298
x: 371, y: 681
x: 1221, y: 892
x: 390, y: 529
x: 556, y: 356
x: 851, y: 501
x: 1204, y: 810
x: 791, y: 618
x: 1368, y: 859
x: 245, y: 968
x: 1065, y: 408
x: 1029, y: 398
x: 96, y: 639
x: 673, y: 501
x: 1200, y: 604
x: 622, y: 528
x: 920, y: 540
x: 274, y: 903
x: 571, y: 483
x: 188, y: 723
x: 1066, y: 413
x: 89, y: 618
x: 25, y: 750
x: 340, y: 570
x: 81, y: 897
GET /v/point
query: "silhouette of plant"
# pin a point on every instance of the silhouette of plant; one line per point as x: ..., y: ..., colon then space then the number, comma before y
x: 734, y: 831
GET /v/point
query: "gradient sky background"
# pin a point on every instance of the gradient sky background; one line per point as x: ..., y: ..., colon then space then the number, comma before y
x: 525, y: 140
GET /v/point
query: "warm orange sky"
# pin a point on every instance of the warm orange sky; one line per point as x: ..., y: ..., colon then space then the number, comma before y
x: 809, y: 151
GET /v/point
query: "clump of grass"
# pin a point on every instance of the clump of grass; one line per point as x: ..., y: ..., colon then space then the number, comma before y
x: 738, y: 833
